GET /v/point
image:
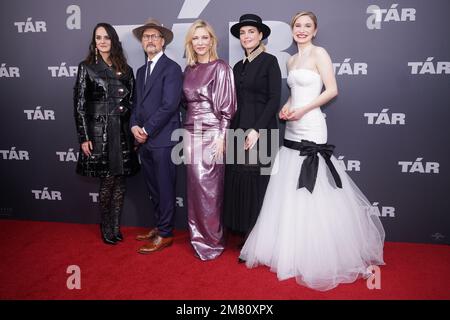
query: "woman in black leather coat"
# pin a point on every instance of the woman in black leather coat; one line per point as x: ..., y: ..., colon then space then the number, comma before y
x: 103, y: 96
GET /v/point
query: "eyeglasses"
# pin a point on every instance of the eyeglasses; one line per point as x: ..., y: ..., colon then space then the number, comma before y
x: 153, y: 37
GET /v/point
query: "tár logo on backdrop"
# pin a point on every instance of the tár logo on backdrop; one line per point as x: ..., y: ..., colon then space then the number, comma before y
x: 427, y: 67
x: 349, y: 165
x: 384, y: 118
x: 6, y: 212
x: 68, y: 156
x: 419, y: 166
x: 382, y: 211
x: 31, y: 26
x: 437, y: 236
x: 9, y: 72
x: 14, y: 154
x: 392, y: 14
x: 94, y: 196
x: 179, y: 202
x: 347, y: 68
x: 46, y: 194
x: 63, y: 71
x: 40, y: 114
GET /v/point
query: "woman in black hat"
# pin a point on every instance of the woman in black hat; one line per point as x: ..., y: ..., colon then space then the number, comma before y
x: 258, y: 86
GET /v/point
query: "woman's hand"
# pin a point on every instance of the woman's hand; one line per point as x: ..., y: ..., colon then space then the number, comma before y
x: 251, y: 139
x: 295, y: 114
x: 284, y: 113
x: 86, y: 147
x: 218, y: 148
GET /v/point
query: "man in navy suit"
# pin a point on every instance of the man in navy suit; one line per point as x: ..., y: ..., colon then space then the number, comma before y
x: 155, y: 116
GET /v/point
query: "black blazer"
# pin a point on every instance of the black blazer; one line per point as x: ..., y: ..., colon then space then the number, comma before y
x: 258, y: 88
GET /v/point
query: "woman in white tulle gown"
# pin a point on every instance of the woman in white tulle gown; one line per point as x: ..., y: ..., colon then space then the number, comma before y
x: 315, y: 224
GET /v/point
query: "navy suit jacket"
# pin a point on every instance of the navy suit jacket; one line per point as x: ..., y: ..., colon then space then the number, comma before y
x: 156, y: 106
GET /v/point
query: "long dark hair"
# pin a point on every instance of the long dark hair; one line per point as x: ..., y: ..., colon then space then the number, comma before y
x: 116, y: 55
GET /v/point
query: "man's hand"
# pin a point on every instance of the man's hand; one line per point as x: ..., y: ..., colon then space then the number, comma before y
x: 139, y: 134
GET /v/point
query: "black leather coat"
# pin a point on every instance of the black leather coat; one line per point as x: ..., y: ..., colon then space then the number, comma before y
x: 102, y: 105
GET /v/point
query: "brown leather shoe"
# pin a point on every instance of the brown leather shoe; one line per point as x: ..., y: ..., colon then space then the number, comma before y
x: 147, y: 236
x: 158, y: 243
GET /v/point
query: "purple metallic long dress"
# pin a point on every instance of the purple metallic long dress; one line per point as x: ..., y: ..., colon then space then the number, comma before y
x: 211, y: 103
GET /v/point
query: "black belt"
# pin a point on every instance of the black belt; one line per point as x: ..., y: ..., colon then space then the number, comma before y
x: 310, y: 166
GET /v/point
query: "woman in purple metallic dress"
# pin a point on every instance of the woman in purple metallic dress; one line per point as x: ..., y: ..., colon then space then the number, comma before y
x: 210, y: 97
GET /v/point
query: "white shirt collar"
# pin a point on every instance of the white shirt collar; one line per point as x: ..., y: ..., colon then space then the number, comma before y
x: 156, y: 58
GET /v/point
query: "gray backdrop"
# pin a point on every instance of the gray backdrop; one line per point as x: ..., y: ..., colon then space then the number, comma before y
x: 389, y: 122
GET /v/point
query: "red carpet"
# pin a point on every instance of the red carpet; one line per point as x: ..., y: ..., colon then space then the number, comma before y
x: 34, y: 257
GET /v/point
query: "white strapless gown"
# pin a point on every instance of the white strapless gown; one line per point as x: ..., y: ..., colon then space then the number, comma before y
x: 323, y: 238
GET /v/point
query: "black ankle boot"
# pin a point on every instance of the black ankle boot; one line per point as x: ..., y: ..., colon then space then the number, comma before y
x: 116, y: 227
x: 111, y: 241
x: 108, y: 237
x: 119, y: 236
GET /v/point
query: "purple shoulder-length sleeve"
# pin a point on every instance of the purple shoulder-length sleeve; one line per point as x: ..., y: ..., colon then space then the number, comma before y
x: 224, y: 95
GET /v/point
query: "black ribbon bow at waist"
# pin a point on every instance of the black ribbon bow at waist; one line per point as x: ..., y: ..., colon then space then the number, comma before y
x: 310, y: 166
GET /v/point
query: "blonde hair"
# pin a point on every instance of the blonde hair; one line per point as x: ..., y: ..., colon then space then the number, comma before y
x: 191, y: 56
x: 304, y: 13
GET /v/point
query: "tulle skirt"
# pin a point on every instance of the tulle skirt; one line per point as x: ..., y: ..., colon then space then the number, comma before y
x: 321, y: 239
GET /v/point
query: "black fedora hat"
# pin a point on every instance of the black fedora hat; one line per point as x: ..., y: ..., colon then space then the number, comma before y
x: 250, y: 20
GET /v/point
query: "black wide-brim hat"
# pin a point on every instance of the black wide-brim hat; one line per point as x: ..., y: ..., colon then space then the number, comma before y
x: 155, y: 24
x: 250, y: 20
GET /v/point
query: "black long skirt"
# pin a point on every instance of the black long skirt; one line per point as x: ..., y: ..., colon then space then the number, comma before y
x: 245, y: 188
